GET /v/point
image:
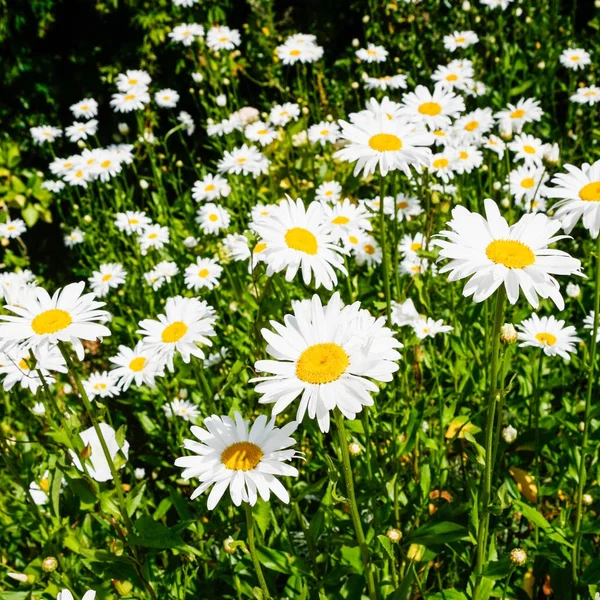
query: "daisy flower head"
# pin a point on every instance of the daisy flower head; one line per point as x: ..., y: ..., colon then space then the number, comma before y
x: 81, y: 131
x: 186, y: 34
x: 133, y: 79
x: 328, y: 356
x: 236, y: 247
x: 66, y: 595
x: 468, y: 157
x: 67, y: 316
x: 413, y: 265
x: 492, y: 254
x: 86, y: 108
x: 367, y: 252
x: 379, y: 143
x: 12, y: 228
x: 372, y: 54
x: 460, y: 39
x: 329, y: 191
x: 188, y: 122
x: 588, y: 323
x: 153, y: 237
x: 185, y: 323
x: 132, y: 221
x: 260, y: 132
x: 135, y: 365
x: 204, y: 273
x: 411, y: 244
x: 184, y: 409
x: 443, y: 164
x: 502, y: 4
x: 109, y: 276
x: 404, y: 313
x: 495, y: 144
x: 74, y: 238
x: 166, y: 98
x: 385, y: 109
x: 299, y: 48
x: 298, y: 239
x: 245, y: 459
x: 23, y: 366
x: 429, y: 327
x: 527, y: 182
x: 186, y: 3
x: 323, y: 133
x: 550, y: 334
x: 210, y: 187
x: 101, y: 385
x: 133, y: 99
x: 457, y: 74
x: 387, y: 82
x: 45, y: 134
x: 223, y: 38
x: 345, y: 217
x: 575, y: 58
x: 578, y: 191
x: 53, y: 186
x: 246, y: 160
x: 108, y: 165
x: 474, y: 125
x: 514, y: 116
x: 528, y: 148
x: 407, y: 207
x: 212, y: 218
x: 432, y: 109
x: 39, y: 490
x: 97, y: 465
x: 586, y: 95
x: 282, y: 114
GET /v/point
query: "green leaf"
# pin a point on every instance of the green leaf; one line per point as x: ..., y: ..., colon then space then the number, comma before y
x: 351, y: 557
x: 262, y: 515
x: 152, y: 534
x: 55, y: 488
x: 442, y: 532
x: 30, y: 215
x: 450, y: 594
x: 498, y: 569
x: 387, y: 545
x: 282, y: 562
x: 134, y: 498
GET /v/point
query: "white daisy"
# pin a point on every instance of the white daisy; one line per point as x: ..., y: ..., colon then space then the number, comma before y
x: 432, y: 109
x: 109, y: 276
x: 101, y: 385
x: 323, y: 133
x: 210, y: 187
x: 212, y: 218
x: 132, y: 221
x: 166, y: 98
x: 86, y: 108
x: 550, y: 334
x: 12, y: 228
x: 223, y: 38
x: 372, y: 53
x: 204, y: 273
x: 137, y: 365
x: 282, y: 114
x: 391, y: 82
x: 575, y: 58
x: 186, y: 33
x: 460, y: 39
x: 185, y: 409
x: 329, y: 191
x: 429, y: 327
x: 153, y: 236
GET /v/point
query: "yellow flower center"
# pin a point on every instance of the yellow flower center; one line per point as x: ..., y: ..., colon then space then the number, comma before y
x: 129, y: 97
x: 213, y: 218
x: 517, y: 114
x: 372, y: 52
x: 301, y: 239
x: 107, y: 277
x: 369, y: 249
x: 153, y: 236
x: 528, y: 182
x: 105, y: 164
x: 402, y: 204
x: 460, y: 40
x: 463, y: 155
x: 84, y: 107
x: 416, y: 246
x: 329, y: 193
x: 79, y: 174
x: 545, y: 338
x: 322, y: 363
x: 210, y: 187
x: 440, y: 163
x: 295, y: 53
x: 324, y: 132
x: 451, y: 77
x: 472, y: 126
x: 203, y: 273
x: 100, y: 386
x: 439, y: 133
x: 575, y: 57
x: 51, y: 321
x: 133, y: 81
x: 241, y: 456
x: 223, y: 39
x: 590, y: 93
x: 510, y: 253
x: 430, y: 108
x: 242, y: 159
x: 138, y: 363
x: 23, y: 365
x: 133, y: 221
x: 353, y: 239
x: 385, y: 142
x: 262, y: 131
x: 341, y: 220
x: 529, y: 149
x: 174, y: 332
x: 259, y: 247
x: 590, y: 192
x: 45, y: 484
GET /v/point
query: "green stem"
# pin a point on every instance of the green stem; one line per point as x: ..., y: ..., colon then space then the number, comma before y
x: 486, y: 487
x: 360, y: 536
x: 586, y: 420
x: 386, y: 266
x: 505, y: 588
x: 252, y: 546
x: 536, y: 464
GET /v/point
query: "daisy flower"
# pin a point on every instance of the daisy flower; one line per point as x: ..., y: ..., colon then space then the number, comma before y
x: 223, y: 38
x: 514, y: 116
x: 204, y: 273
x: 186, y: 119
x: 39, y: 491
x: 495, y: 144
x: 109, y: 276
x: 329, y: 191
x: 186, y: 34
x: 133, y: 79
x: 53, y: 186
x: 101, y: 385
x: 107, y: 166
x: 575, y: 58
x: 12, y: 228
x: 407, y: 207
x: 81, y: 131
x: 344, y: 217
x: 185, y: 409
x: 186, y: 323
x: 86, y: 108
x: 212, y: 218
x: 166, y: 98
x: 493, y: 253
x: 153, y: 236
x: 528, y: 148
x: 579, y: 193
x: 282, y: 114
x: 502, y: 4
x: 132, y: 221
x: 246, y: 160
x: 458, y: 74
x: 97, y: 465
x: 588, y: 323
x: 428, y: 327
x: 75, y: 237
x: 550, y: 334
x: 137, y: 365
x: 472, y: 126
x: 384, y: 144
x: 460, y: 39
x: 372, y: 54
x: 404, y: 313
x: 297, y: 239
x: 526, y: 182
x: 67, y: 316
x: 413, y: 265
x: 242, y: 458
x: 236, y: 246
x: 45, y: 134
x: 443, y: 164
x: 368, y: 252
x: 260, y: 132
x: 468, y: 157
x: 132, y: 99
x: 411, y: 244
x: 296, y: 49
x: 586, y: 95
x: 328, y: 356
x: 210, y: 187
x: 391, y: 82
x: 66, y: 595
x: 323, y: 133
x: 23, y: 366
x: 432, y: 109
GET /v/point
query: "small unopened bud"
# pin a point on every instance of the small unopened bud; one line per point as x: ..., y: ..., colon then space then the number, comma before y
x: 497, y: 185
x: 365, y: 19
x: 49, y: 564
x: 183, y: 393
x: 123, y: 128
x: 355, y: 85
x: 67, y: 388
x: 509, y: 434
x: 144, y: 184
x: 86, y: 452
x: 355, y: 43
x: 221, y: 100
x: 518, y: 12
x: 81, y: 144
x: 179, y: 164
x: 140, y: 473
x: 518, y: 557
x: 581, y: 426
x: 505, y: 203
x: 227, y: 545
x: 466, y: 6
x: 587, y: 499
x: 541, y: 65
x: 87, y: 218
x: 394, y: 535
x: 123, y: 587
x: 573, y: 290
x: 508, y: 333
x: 354, y: 448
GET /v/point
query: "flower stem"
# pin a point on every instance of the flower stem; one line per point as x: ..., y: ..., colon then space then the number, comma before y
x: 486, y: 487
x: 252, y: 546
x: 360, y: 536
x: 384, y: 254
x: 586, y: 419
x: 536, y: 416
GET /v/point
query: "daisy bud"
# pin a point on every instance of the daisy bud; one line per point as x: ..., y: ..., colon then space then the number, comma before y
x: 81, y: 144
x: 354, y: 448
x: 528, y: 20
x: 497, y: 185
x: 179, y: 164
x: 354, y: 85
x: 505, y: 130
x: 183, y: 393
x: 227, y: 547
x: 49, y: 564
x: 518, y: 557
x: 509, y: 434
x: 4, y: 242
x: 221, y: 100
x: 394, y: 535
x: 87, y: 218
x: 144, y: 184
x: 225, y: 81
x: 365, y: 19
x: 552, y: 153
x: 140, y: 473
x: 573, y: 290
x: 505, y: 203
x: 305, y: 110
x: 190, y: 242
x: 587, y: 499
x: 123, y: 128
x: 508, y: 333
x: 67, y: 389
x: 541, y: 65
x: 466, y: 6
x: 581, y: 426
x: 519, y: 12
x: 424, y: 426
x: 355, y: 43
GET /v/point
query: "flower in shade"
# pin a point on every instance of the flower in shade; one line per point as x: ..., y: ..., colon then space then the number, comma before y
x: 246, y: 459
x: 492, y: 253
x: 185, y: 409
x: 550, y: 334
x: 575, y: 58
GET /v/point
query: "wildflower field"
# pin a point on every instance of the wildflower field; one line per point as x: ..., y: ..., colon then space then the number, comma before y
x: 300, y: 300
